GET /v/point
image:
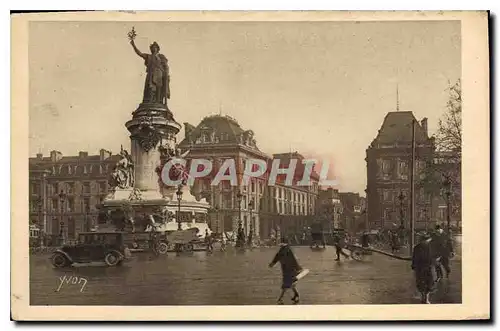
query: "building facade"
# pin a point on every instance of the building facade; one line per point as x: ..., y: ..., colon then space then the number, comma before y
x: 263, y: 208
x: 65, y: 191
x: 330, y: 209
x: 353, y: 217
x: 388, y: 179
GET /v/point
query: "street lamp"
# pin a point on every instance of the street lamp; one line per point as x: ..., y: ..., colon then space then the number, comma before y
x: 217, y: 215
x: 178, y: 193
x: 62, y: 198
x: 241, y: 236
x: 39, y: 203
x: 252, y: 226
x: 401, y: 198
x: 447, y: 192
x: 239, y: 197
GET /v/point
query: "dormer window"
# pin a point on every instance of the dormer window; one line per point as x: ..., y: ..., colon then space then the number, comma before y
x: 206, y: 137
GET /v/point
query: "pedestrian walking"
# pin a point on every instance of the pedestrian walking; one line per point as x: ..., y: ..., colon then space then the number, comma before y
x: 339, y: 242
x: 290, y: 268
x: 443, y: 249
x: 208, y: 241
x: 395, y: 241
x: 223, y: 242
x: 422, y: 265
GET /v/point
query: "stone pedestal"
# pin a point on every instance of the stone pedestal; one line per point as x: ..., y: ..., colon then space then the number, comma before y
x: 152, y: 127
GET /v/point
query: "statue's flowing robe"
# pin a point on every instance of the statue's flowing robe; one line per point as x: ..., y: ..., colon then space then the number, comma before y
x: 157, y: 84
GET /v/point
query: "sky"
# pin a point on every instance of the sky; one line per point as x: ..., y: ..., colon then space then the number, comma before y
x: 319, y: 88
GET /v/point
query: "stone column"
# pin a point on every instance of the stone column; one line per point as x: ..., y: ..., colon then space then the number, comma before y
x: 152, y: 126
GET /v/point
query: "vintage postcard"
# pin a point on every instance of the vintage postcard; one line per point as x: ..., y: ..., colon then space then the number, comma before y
x: 250, y: 166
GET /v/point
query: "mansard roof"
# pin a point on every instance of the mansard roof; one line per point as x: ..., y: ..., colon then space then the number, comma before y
x: 396, y: 128
x: 217, y: 129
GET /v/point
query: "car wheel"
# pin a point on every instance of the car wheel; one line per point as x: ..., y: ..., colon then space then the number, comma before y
x: 112, y: 259
x: 59, y: 260
x: 162, y: 248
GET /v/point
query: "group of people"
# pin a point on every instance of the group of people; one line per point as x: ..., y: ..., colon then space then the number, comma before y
x: 241, y: 240
x: 430, y: 256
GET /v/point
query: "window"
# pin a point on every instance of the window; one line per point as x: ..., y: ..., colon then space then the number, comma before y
x: 422, y: 214
x: 70, y: 188
x: 86, y: 187
x: 55, y: 204
x: 53, y: 188
x: 103, y: 187
x: 252, y: 185
x: 387, y: 214
x: 227, y: 201
x: 35, y: 188
x: 206, y: 137
x: 386, y: 167
x: 387, y: 195
x: 33, y: 206
x: 403, y: 169
x: 86, y: 205
x: 71, y: 204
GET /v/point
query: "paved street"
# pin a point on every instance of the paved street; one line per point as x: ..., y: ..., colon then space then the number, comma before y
x: 234, y: 278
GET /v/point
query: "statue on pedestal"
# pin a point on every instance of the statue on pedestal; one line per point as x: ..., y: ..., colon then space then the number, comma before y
x: 157, y: 84
x: 123, y: 173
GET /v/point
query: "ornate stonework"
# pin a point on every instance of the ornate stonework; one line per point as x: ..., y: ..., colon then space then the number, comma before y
x: 147, y: 136
x: 135, y: 195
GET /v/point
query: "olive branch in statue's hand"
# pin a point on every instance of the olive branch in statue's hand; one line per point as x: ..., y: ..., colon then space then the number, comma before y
x: 132, y: 34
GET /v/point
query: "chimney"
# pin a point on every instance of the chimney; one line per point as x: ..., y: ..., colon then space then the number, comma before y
x: 39, y: 156
x: 83, y: 155
x: 423, y: 123
x: 104, y: 154
x: 55, y: 156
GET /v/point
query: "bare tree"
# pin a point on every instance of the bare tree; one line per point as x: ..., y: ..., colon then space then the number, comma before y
x: 443, y: 173
x: 449, y: 134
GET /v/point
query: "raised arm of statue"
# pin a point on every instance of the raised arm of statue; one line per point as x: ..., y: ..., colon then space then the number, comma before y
x: 137, y: 51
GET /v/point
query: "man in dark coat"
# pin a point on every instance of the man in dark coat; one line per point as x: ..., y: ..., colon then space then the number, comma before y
x: 395, y: 245
x: 339, y: 242
x: 290, y: 268
x: 442, y: 248
x: 365, y: 240
x: 422, y: 264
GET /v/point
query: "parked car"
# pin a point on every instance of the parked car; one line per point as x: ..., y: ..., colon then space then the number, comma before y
x: 107, y: 247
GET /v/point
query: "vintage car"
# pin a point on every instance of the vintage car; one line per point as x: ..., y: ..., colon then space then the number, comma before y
x: 107, y: 247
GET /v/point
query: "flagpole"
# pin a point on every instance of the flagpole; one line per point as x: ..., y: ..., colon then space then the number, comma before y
x: 412, y: 188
